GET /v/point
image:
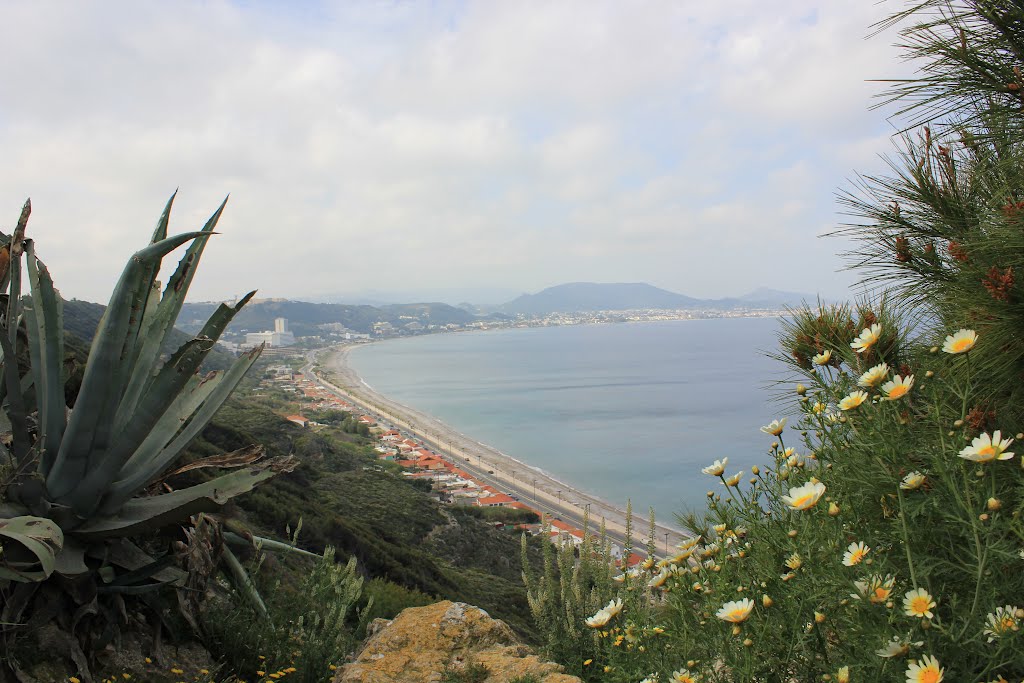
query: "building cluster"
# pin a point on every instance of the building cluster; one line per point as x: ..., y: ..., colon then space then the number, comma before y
x: 278, y: 337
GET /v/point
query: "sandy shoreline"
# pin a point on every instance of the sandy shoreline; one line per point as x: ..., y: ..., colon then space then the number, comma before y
x: 532, y: 480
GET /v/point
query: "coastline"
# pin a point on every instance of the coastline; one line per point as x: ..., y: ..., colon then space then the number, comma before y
x: 530, y: 481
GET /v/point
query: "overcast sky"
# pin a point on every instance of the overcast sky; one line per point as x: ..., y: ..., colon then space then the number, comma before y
x: 457, y: 148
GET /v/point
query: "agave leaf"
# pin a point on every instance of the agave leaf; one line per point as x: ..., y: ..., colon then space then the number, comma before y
x: 137, y: 581
x: 242, y: 581
x: 16, y: 413
x: 139, y: 472
x: 162, y: 321
x: 30, y: 548
x: 71, y: 559
x: 88, y: 430
x: 47, y: 343
x: 143, y: 514
x: 173, y: 377
x: 267, y: 544
x: 238, y: 458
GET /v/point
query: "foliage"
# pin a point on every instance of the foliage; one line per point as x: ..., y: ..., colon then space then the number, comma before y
x: 309, y: 629
x: 470, y: 672
x: 76, y: 505
x: 882, y: 539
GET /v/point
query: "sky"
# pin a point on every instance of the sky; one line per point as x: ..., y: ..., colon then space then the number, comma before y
x: 466, y: 150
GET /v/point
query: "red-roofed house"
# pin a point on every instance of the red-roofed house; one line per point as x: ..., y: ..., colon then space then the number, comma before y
x: 495, y: 500
x: 299, y: 420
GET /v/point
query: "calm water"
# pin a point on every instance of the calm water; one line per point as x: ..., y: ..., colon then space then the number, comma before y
x: 621, y: 411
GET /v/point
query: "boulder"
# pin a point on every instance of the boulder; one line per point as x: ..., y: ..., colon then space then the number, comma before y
x: 422, y: 643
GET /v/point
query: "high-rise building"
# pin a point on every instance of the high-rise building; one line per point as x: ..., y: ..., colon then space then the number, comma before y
x: 280, y: 324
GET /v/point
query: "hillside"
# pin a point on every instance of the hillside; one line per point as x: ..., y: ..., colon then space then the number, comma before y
x: 304, y: 317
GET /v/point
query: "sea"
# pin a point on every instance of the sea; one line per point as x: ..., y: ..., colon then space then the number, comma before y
x: 628, y: 411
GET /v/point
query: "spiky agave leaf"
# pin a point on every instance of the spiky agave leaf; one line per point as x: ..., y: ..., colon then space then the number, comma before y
x: 30, y: 546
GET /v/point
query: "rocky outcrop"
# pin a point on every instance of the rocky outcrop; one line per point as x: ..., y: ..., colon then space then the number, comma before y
x: 422, y: 643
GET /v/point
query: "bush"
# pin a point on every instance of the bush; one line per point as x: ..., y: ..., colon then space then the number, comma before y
x: 882, y: 539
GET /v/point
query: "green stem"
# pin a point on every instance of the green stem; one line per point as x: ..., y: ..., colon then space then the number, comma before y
x: 906, y: 536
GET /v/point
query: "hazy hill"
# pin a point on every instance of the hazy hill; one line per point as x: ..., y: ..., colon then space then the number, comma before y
x: 81, y: 318
x: 304, y: 317
x: 593, y: 296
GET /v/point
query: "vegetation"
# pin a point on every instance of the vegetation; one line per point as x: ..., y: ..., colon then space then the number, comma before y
x: 77, y: 511
x: 882, y: 540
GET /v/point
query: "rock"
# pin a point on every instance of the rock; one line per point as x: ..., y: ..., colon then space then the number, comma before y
x: 422, y: 642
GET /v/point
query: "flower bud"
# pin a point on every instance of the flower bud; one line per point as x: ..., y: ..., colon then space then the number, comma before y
x: 833, y: 510
x: 767, y: 601
x: 983, y: 517
x: 929, y: 374
x: 819, y: 618
x: 736, y: 630
x: 994, y: 504
x: 747, y: 642
x: 958, y: 423
x: 755, y: 469
x: 934, y: 349
x: 801, y: 389
x: 792, y: 533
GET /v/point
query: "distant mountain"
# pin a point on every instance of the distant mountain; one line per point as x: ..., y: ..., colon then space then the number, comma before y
x: 592, y: 296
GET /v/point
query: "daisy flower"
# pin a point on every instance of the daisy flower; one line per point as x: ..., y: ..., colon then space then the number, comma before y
x: 843, y: 674
x: 600, y: 619
x: 775, y: 427
x: 867, y: 338
x: 1002, y: 621
x: 875, y: 589
x: 736, y: 611
x: 918, y: 603
x: 794, y: 561
x: 855, y: 553
x: 822, y: 358
x: 819, y: 408
x: 926, y: 670
x: 897, y: 387
x: 684, y: 676
x: 659, y: 579
x: 806, y: 496
x: 613, y: 607
x: 716, y: 468
x: 912, y: 481
x: 852, y: 400
x: 894, y: 648
x: 690, y: 543
x: 987, y: 448
x: 734, y: 480
x: 961, y: 342
x: 872, y: 377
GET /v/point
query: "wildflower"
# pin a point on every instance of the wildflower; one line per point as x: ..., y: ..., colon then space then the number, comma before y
x: 179, y: 671
x: 843, y: 674
x: 994, y: 504
x: 867, y: 338
x: 918, y: 603
x: 833, y: 510
x: 659, y: 579
x: 1001, y: 622
x: 775, y: 427
x: 689, y: 543
x: 822, y: 358
x: 961, y: 342
x: 766, y: 600
x: 853, y: 400
x: 872, y: 377
x: 736, y: 611
x: 894, y: 648
x: 819, y: 408
x: 794, y: 561
x: 684, y: 676
x: 912, y: 481
x: 876, y: 589
x: 717, y: 468
x: 597, y: 621
x: 734, y: 480
x: 719, y: 528
x: 74, y: 679
x: 987, y: 448
x: 925, y: 671
x: 897, y: 387
x: 804, y: 497
x: 855, y: 553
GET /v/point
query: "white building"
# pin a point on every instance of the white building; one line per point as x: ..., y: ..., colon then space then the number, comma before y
x: 281, y: 336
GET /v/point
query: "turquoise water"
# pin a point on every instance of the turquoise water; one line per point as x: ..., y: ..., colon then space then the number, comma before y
x: 620, y: 411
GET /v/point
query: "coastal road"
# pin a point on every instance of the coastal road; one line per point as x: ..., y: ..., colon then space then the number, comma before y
x: 489, y: 465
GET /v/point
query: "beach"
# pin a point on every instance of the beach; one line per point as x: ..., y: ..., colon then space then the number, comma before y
x: 528, y: 482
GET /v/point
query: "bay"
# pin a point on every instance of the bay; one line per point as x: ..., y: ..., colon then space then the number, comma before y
x: 626, y: 411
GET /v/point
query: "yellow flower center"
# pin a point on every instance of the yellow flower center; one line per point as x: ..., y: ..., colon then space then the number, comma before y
x: 919, y: 605
x: 988, y: 451
x: 856, y: 557
x: 928, y: 675
x: 898, y: 391
x: 802, y: 500
x: 881, y: 594
x: 1007, y: 624
x: 961, y: 345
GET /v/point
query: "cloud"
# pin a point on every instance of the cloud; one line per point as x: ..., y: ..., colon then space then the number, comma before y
x: 441, y: 145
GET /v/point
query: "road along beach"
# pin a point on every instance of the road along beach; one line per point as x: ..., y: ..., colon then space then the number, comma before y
x: 530, y: 483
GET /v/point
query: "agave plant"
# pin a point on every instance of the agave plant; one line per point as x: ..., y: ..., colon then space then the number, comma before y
x: 77, y: 498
